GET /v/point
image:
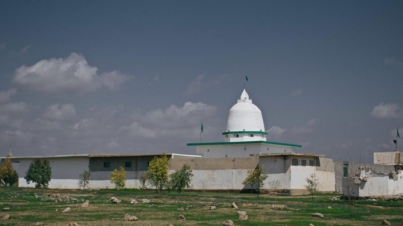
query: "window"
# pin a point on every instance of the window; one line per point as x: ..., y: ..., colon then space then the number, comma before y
x: 311, y: 163
x: 107, y: 164
x: 236, y: 135
x: 244, y: 148
x: 128, y: 164
x: 294, y: 162
x: 345, y: 170
x: 208, y: 150
x: 303, y: 162
x: 251, y: 135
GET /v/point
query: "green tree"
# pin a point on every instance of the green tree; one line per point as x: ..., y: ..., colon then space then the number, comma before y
x: 85, y: 179
x: 181, y: 178
x: 118, y: 177
x: 39, y: 172
x: 158, y: 172
x: 8, y: 175
x: 256, y: 178
x: 312, y: 184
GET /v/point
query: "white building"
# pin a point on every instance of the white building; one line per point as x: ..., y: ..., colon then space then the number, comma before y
x: 245, y: 135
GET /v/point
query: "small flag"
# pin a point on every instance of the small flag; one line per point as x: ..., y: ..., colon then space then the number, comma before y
x: 246, y: 78
x: 397, y: 133
x: 201, y: 128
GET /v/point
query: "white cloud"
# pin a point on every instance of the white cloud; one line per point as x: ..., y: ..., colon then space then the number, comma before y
x: 72, y: 74
x: 392, y: 61
x: 19, y: 107
x: 312, y: 122
x: 303, y: 129
x: 6, y: 95
x: 9, y: 135
x: 296, y: 93
x: 172, y: 121
x: 196, y: 85
x: 386, y: 111
x: 276, y: 130
x: 60, y: 112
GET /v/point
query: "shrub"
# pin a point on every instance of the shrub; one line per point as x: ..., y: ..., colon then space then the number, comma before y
x: 39, y: 172
x: 85, y: 179
x: 158, y: 172
x: 312, y: 184
x: 181, y: 178
x: 143, y: 180
x: 256, y: 178
x: 8, y: 176
x: 118, y: 177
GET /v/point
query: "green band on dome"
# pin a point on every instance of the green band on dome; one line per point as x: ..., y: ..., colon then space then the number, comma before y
x: 245, y: 132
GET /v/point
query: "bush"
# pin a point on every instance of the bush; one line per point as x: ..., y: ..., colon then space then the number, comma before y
x: 39, y: 172
x: 180, y: 179
x: 118, y: 177
x: 85, y: 179
x: 8, y: 176
x: 256, y: 178
x: 312, y: 184
x: 143, y: 180
x: 158, y: 172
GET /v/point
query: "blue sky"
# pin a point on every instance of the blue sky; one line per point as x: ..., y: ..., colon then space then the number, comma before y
x: 140, y: 76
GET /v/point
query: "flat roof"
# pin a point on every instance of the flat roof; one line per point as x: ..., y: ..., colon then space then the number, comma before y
x: 245, y: 142
x: 84, y: 155
x: 288, y: 154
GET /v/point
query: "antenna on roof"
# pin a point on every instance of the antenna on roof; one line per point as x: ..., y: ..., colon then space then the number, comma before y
x: 10, y: 154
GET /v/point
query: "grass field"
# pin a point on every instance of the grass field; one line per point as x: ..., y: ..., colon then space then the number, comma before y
x: 28, y: 206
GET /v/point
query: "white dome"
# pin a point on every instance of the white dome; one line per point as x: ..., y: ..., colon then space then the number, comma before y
x: 245, y: 116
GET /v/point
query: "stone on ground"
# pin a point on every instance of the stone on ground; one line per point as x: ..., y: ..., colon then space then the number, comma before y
x: 212, y: 207
x: 6, y: 217
x: 233, y: 205
x: 73, y: 224
x: 6, y: 208
x: 317, y: 215
x: 181, y: 209
x: 39, y: 223
x: 145, y: 201
x: 241, y: 212
x: 228, y: 223
x: 67, y: 210
x: 133, y: 201
x: 243, y: 217
x: 311, y: 225
x: 385, y: 222
x: 115, y: 200
x: 181, y: 217
x: 129, y: 217
x: 85, y: 204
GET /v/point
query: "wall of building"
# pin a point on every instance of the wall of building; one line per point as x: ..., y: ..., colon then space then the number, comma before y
x: 353, y: 169
x: 65, y: 171
x: 239, y: 150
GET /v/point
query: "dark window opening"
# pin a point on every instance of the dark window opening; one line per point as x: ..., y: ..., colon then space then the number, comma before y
x: 303, y: 162
x: 294, y: 162
x: 345, y: 170
x: 128, y: 164
x: 236, y: 135
x: 251, y: 135
x: 311, y: 163
x: 107, y: 164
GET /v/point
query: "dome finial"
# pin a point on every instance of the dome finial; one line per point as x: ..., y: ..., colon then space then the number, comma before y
x: 244, y: 95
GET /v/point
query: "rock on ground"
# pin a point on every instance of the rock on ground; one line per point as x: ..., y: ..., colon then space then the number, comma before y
x: 317, y: 215
x: 133, y: 201
x: 6, y: 208
x: 39, y: 223
x: 228, y: 223
x: 6, y: 217
x: 385, y: 222
x: 243, y: 217
x: 145, y: 201
x: 115, y: 200
x: 73, y: 224
x: 68, y: 209
x: 329, y: 207
x: 181, y: 217
x: 212, y: 207
x: 181, y: 209
x: 85, y: 204
x: 241, y: 212
x: 233, y: 205
x: 311, y: 225
x: 128, y: 217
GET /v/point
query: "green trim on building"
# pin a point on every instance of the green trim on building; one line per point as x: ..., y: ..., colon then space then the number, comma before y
x: 245, y: 132
x: 245, y: 142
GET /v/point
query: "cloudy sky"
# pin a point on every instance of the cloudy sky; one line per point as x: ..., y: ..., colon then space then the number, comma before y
x: 140, y: 76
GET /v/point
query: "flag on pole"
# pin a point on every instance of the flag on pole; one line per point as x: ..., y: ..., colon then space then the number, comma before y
x: 397, y: 133
x: 246, y: 78
x: 201, y: 128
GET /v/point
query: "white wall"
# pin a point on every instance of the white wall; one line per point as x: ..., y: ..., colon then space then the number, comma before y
x: 66, y: 171
x: 239, y: 150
